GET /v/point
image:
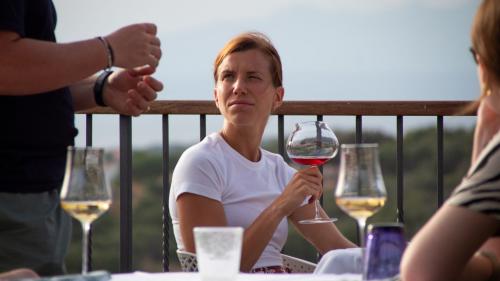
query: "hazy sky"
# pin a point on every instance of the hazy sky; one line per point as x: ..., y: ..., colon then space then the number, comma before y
x: 331, y: 50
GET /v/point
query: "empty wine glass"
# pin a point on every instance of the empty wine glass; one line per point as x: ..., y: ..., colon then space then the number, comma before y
x: 312, y: 143
x: 84, y: 194
x: 360, y: 188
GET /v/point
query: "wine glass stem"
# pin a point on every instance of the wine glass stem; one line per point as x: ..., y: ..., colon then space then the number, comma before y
x: 85, y: 240
x: 316, y: 209
x: 361, y: 226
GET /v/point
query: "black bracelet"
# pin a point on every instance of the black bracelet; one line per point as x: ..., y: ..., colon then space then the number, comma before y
x: 99, y: 87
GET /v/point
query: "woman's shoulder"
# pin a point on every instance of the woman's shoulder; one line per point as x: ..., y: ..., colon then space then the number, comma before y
x: 488, y: 160
x: 480, y: 189
x: 279, y: 162
x: 208, y: 144
x: 205, y: 151
x: 275, y: 157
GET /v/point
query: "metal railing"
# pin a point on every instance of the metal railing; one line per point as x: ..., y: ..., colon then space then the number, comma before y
x: 398, y: 109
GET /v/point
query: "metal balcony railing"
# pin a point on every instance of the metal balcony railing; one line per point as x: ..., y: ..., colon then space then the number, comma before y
x: 358, y: 109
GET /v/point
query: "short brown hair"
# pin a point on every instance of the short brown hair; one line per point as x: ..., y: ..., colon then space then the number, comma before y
x: 249, y: 41
x: 485, y: 35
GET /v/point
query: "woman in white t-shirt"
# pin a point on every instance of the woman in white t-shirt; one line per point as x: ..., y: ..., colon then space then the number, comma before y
x: 229, y: 180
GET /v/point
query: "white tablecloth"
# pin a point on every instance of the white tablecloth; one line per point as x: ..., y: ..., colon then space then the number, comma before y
x: 185, y: 276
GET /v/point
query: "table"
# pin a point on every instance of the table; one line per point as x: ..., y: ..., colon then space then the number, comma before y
x: 193, y: 276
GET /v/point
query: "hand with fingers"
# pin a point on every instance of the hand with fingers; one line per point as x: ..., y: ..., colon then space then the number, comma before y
x: 131, y: 91
x: 306, y: 183
x: 135, y: 45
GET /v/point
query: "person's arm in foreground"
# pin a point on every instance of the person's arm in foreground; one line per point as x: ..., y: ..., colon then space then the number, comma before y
x: 197, y: 210
x: 48, y: 65
x: 126, y: 91
x: 444, y: 249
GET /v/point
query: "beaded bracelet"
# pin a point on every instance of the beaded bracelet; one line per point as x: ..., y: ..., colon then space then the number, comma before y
x: 109, y: 51
x: 99, y: 87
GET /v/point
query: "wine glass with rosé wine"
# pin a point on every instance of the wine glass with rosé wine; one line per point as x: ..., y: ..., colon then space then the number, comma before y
x: 312, y: 143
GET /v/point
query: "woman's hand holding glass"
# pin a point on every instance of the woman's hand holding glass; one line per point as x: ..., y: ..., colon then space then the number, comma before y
x: 312, y: 143
x: 305, y: 183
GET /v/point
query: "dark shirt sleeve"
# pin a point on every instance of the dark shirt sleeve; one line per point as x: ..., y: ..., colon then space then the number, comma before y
x: 12, y: 16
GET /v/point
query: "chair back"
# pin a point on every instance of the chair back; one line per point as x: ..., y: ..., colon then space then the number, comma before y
x: 297, y: 265
x: 189, y: 264
x: 188, y: 261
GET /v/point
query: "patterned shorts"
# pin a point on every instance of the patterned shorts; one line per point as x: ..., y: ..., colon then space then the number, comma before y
x: 271, y: 269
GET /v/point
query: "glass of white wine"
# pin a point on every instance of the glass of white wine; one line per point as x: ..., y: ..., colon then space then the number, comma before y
x: 360, y: 188
x: 85, y: 194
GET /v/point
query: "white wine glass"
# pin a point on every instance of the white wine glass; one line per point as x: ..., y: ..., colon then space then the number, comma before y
x: 360, y: 188
x: 85, y: 194
x: 312, y: 143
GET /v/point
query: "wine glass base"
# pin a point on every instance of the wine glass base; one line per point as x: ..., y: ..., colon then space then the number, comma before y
x: 318, y: 220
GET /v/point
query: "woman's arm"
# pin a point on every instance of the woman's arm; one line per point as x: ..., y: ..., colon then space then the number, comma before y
x: 444, y: 248
x: 323, y: 236
x: 195, y: 210
x: 48, y: 65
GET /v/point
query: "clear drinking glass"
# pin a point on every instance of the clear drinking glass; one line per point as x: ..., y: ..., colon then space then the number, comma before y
x: 360, y: 188
x: 85, y: 194
x: 218, y: 252
x: 312, y: 143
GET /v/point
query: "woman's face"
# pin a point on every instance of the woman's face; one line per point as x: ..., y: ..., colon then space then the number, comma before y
x: 244, y: 91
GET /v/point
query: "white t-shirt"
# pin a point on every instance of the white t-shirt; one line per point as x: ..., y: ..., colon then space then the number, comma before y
x: 215, y: 170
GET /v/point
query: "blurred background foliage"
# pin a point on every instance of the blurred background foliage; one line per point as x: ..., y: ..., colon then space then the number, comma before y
x: 420, y: 197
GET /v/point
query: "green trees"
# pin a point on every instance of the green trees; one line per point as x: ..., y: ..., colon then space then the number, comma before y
x: 420, y: 197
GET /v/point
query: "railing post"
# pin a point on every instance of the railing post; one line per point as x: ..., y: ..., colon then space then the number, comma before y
x: 88, y: 130
x: 359, y: 129
x: 88, y: 142
x: 318, y: 254
x: 440, y: 161
x: 281, y: 136
x: 399, y: 169
x: 125, y: 193
x: 203, y: 126
x: 359, y: 139
x: 320, y: 118
x: 166, y: 191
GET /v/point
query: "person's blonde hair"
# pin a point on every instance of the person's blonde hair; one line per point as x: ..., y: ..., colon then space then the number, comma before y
x: 249, y: 41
